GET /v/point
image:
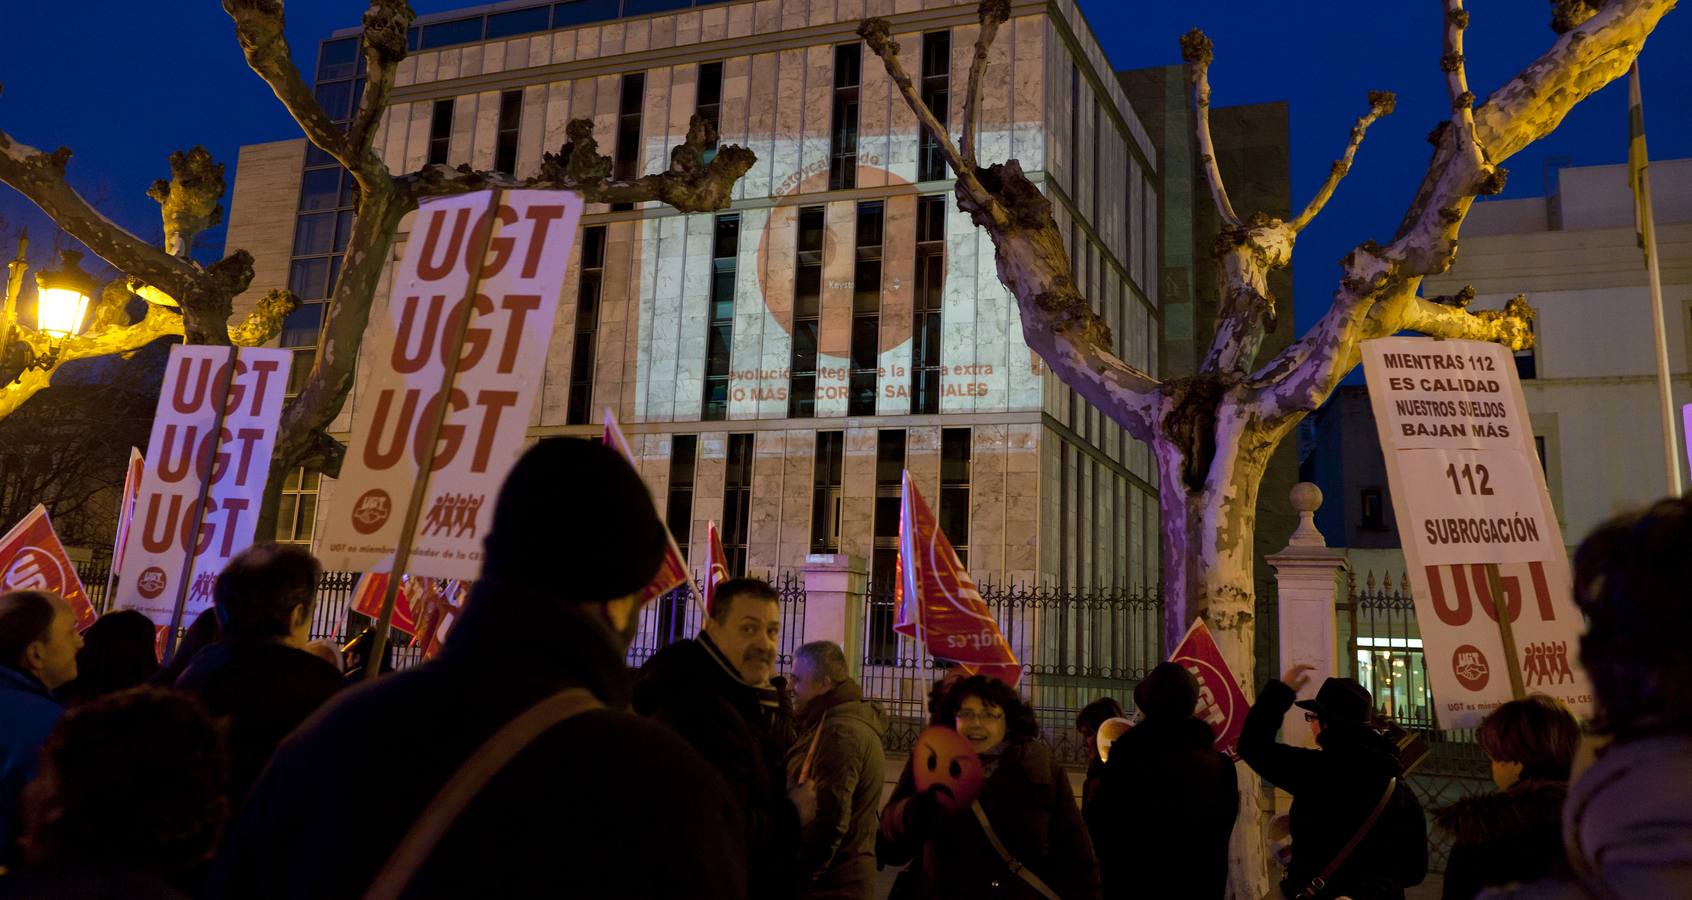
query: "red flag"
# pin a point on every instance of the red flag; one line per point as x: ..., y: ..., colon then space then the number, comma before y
x: 673, y: 572
x: 719, y: 570
x: 367, y: 601
x: 1222, y: 705
x: 440, y: 604
x: 32, y: 559
x: 938, y: 601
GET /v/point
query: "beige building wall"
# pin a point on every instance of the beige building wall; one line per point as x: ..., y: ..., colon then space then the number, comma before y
x: 261, y: 215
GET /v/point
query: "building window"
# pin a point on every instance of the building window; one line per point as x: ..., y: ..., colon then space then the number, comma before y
x: 930, y: 280
x: 510, y: 121
x: 580, y: 408
x: 825, y: 501
x: 440, y: 132
x: 719, y: 335
x: 709, y: 103
x: 1074, y: 134
x: 954, y: 489
x: 843, y: 152
x: 936, y: 92
x: 807, y: 310
x: 1373, y: 513
x: 678, y: 513
x: 882, y: 643
x: 296, y: 510
x: 626, y: 161
x: 866, y: 310
x: 737, y: 501
x: 1527, y: 361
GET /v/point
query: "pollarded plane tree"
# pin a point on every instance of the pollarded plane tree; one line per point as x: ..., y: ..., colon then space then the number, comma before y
x: 1212, y: 433
x: 196, y: 302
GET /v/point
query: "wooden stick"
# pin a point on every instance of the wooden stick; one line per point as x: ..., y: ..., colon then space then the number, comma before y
x: 1501, y: 611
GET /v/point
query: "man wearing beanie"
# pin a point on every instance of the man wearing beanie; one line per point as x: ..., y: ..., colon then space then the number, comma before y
x: 1335, y: 790
x: 584, y: 806
x: 1166, y: 802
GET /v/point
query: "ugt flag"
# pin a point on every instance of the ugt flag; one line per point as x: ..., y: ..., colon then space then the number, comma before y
x: 939, y: 603
x: 32, y: 559
x: 673, y: 572
x: 367, y: 601
x: 1222, y: 705
x: 719, y: 570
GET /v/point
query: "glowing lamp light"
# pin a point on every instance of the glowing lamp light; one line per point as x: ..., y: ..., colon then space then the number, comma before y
x: 61, y: 299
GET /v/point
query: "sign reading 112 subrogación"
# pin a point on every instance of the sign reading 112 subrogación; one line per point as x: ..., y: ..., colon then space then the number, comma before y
x: 1474, y: 515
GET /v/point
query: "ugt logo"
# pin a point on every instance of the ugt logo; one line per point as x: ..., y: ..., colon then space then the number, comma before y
x: 371, y: 511
x: 1468, y: 663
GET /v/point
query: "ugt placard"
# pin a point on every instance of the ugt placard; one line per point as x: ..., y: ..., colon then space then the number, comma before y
x: 489, y: 400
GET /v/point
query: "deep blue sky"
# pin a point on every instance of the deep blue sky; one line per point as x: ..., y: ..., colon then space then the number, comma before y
x: 123, y: 83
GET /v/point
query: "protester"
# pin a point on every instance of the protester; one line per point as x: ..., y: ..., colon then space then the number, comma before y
x: 129, y: 802
x: 1627, y: 822
x: 1514, y: 835
x: 257, y: 678
x: 716, y: 692
x: 1167, y: 799
x: 1335, y: 790
x: 200, y: 634
x: 1087, y: 724
x: 1026, y: 800
x: 839, y: 751
x: 117, y: 653
x: 599, y: 802
x: 38, y: 646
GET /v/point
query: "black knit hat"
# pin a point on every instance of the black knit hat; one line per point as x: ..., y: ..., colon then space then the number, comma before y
x: 574, y: 516
x: 1168, y: 691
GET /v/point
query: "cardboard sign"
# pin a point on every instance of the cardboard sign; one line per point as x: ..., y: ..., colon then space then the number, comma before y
x: 198, y: 449
x: 126, y: 515
x: 33, y: 559
x: 1469, y: 493
x: 1222, y: 705
x: 489, y: 400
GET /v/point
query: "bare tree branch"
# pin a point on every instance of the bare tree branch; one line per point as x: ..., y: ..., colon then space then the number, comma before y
x: 1197, y: 51
x: 258, y: 26
x: 385, y: 25
x: 1511, y: 326
x: 156, y: 324
x: 1381, y: 103
x: 188, y: 199
x: 993, y: 14
x: 1457, y: 83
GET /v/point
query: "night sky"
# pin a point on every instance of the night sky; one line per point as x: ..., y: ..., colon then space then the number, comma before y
x: 123, y: 84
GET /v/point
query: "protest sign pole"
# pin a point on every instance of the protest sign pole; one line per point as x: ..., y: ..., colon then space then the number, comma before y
x: 1501, y: 612
x: 197, y: 512
x: 426, y: 457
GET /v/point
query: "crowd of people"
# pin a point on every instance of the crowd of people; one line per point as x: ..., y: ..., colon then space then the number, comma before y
x: 526, y: 759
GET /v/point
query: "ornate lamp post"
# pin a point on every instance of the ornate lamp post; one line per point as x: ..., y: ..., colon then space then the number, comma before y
x: 61, y: 301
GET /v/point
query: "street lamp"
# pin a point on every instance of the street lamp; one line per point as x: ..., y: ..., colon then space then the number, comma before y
x: 61, y: 298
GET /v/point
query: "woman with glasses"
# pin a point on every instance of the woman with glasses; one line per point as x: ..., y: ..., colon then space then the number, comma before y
x: 1026, y: 802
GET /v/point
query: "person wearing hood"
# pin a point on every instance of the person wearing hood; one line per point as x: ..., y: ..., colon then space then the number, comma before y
x: 1166, y: 801
x: 591, y: 801
x: 839, y: 751
x: 1336, y: 790
x: 1515, y: 834
x: 720, y: 694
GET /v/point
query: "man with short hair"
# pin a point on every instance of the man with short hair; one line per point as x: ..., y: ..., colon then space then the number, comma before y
x: 839, y: 751
x: 719, y: 693
x: 38, y: 644
x: 258, y: 678
x: 594, y: 802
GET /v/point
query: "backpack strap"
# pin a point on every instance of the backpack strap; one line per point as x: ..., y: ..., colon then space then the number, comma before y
x: 1011, y: 862
x: 465, y: 784
x: 1321, y: 880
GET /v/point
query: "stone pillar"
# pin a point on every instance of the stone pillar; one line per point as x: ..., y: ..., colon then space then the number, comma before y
x: 835, y: 585
x: 1309, y: 577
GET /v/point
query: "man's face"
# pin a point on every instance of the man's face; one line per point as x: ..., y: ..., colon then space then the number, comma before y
x: 1089, y: 739
x: 748, y: 636
x: 808, y: 683
x: 53, y: 657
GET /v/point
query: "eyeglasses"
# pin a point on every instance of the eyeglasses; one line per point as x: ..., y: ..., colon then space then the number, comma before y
x: 971, y: 715
x: 1310, y: 717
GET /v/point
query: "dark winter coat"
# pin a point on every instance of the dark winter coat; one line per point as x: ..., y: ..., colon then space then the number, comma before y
x: 263, y: 690
x: 735, y: 727
x: 605, y: 803
x: 1028, y: 800
x: 1164, y: 811
x: 1511, y: 836
x: 28, y: 712
x: 837, y: 850
x: 1333, y: 790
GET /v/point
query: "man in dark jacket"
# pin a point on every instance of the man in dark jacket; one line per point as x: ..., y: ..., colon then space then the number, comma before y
x: 716, y: 691
x: 1334, y: 790
x: 1166, y: 802
x: 257, y: 679
x: 839, y: 751
x: 38, y: 644
x: 601, y: 803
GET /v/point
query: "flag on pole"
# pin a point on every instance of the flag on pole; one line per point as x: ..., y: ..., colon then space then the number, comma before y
x: 32, y: 559
x: 1222, y: 705
x: 1637, y: 159
x: 939, y: 603
x: 673, y: 572
x: 719, y: 569
x: 126, y: 515
x: 367, y: 601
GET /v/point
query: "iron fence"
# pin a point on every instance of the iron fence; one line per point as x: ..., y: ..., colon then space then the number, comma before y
x: 1075, y: 647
